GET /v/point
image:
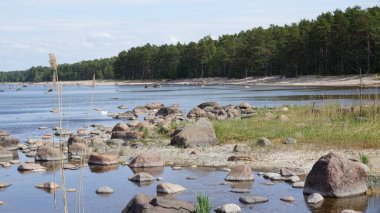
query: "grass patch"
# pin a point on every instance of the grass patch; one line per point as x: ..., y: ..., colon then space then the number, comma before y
x: 364, y: 159
x: 330, y: 125
x: 203, y: 204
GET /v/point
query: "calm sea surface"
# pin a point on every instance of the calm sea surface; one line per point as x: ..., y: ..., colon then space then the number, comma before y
x: 24, y: 109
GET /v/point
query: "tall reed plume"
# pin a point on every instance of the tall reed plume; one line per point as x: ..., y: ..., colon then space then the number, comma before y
x: 57, y: 85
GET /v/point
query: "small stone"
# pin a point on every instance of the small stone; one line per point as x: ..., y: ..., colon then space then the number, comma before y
x: 30, y: 167
x: 253, y: 199
x: 71, y: 190
x: 69, y: 166
x: 159, y: 178
x: 350, y: 211
x: 193, y: 166
x: 299, y: 185
x: 238, y: 190
x: 191, y: 178
x: 240, y: 173
x: 141, y: 177
x: 48, y: 185
x: 277, y: 178
x: 286, y: 172
x: 225, y: 169
x: 263, y: 142
x: 169, y: 188
x: 290, y: 141
x: 315, y: 198
x: 288, y: 199
x: 271, y: 175
x: 15, y: 161
x: 242, y: 148
x: 4, y: 185
x: 104, y: 190
x: 293, y: 179
x: 268, y: 183
x: 2, y: 203
x: 5, y: 164
x: 176, y: 168
x: 228, y: 208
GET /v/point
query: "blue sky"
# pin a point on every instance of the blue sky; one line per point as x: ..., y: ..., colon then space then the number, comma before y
x: 78, y: 30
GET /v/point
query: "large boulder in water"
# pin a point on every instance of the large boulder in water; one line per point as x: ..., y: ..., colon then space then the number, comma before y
x: 9, y: 142
x: 147, y: 159
x: 141, y: 203
x: 102, y: 159
x: 336, y: 176
x: 49, y: 153
x: 201, y: 133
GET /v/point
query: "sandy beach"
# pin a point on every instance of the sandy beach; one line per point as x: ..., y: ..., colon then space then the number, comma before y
x: 304, y: 81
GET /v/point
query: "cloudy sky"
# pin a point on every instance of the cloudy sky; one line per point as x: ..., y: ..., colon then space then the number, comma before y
x: 87, y: 29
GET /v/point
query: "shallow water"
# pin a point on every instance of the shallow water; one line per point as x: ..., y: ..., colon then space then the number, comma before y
x: 22, y: 112
x: 22, y: 196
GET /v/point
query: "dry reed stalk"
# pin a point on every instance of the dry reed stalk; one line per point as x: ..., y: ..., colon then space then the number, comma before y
x: 56, y: 83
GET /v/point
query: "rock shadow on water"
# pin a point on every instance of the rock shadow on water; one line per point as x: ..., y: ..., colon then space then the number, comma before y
x: 333, y: 205
x: 241, y: 185
x: 103, y: 169
x: 154, y: 171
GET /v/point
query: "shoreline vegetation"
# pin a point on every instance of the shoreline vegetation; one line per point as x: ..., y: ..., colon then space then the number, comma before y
x: 302, y: 81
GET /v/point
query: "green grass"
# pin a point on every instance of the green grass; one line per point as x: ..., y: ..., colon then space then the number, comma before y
x: 364, y: 159
x: 331, y: 125
x: 203, y: 204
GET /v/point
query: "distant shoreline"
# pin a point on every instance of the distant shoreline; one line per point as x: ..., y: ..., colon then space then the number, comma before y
x: 304, y: 81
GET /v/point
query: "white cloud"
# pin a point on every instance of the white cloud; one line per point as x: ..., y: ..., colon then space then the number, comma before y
x: 101, y: 35
x: 173, y: 39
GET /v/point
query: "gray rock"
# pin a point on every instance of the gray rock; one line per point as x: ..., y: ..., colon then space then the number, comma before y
x: 141, y: 203
x: 228, y: 208
x: 48, y: 185
x: 240, y: 173
x: 253, y: 199
x: 102, y: 159
x: 122, y: 127
x: 271, y: 175
x: 49, y: 153
x: 141, y: 177
x: 146, y: 160
x: 286, y: 172
x: 288, y: 199
x: 196, y: 113
x: 239, y: 190
x: 169, y: 188
x: 30, y: 167
x: 263, y: 142
x: 5, y: 153
x: 242, y: 148
x: 201, y: 133
x: 9, y: 142
x: 299, y: 185
x: 4, y: 185
x: 104, y: 190
x: 293, y: 179
x: 290, y: 141
x: 336, y: 176
x: 315, y: 198
x: 350, y: 211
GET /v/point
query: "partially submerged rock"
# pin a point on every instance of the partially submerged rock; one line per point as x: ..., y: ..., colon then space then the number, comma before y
x: 30, y: 167
x: 48, y: 185
x: 141, y: 203
x: 169, y: 188
x: 228, y: 208
x: 49, y: 153
x: 201, y: 133
x: 336, y: 176
x: 147, y: 159
x: 9, y: 142
x: 141, y: 177
x: 102, y: 159
x: 240, y: 173
x: 253, y: 199
x: 104, y: 190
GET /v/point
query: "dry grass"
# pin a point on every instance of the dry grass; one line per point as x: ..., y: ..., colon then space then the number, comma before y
x: 329, y: 126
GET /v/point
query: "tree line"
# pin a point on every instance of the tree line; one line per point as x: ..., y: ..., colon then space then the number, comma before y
x: 335, y: 43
